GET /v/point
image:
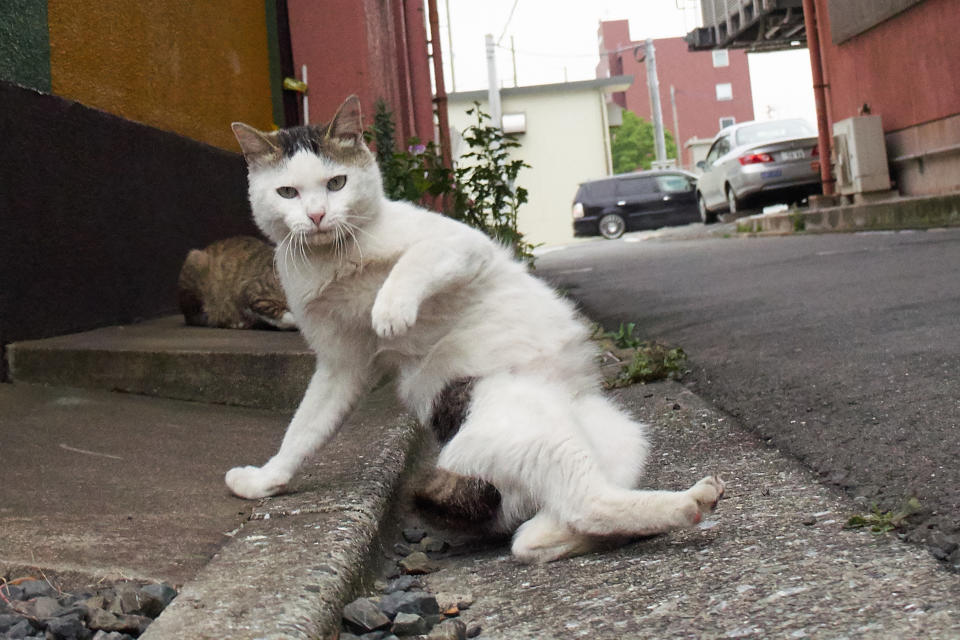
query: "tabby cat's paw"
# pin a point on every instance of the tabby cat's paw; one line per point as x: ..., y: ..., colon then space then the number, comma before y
x: 254, y: 482
x: 393, y: 315
x: 706, y: 494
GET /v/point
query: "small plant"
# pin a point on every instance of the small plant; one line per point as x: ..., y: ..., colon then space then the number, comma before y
x: 651, y: 361
x: 881, y: 522
x: 799, y: 221
x: 623, y: 337
x: 480, y: 191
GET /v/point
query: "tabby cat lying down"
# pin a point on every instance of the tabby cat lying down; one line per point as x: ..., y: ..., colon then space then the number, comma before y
x: 232, y: 284
x: 489, y: 355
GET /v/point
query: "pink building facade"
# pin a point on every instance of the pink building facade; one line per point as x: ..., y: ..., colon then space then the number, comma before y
x: 710, y: 89
x: 376, y: 49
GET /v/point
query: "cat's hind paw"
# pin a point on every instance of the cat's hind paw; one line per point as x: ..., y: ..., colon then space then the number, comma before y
x: 706, y: 494
x: 393, y: 316
x: 254, y: 482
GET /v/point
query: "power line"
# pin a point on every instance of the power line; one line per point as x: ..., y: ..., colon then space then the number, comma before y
x: 507, y: 24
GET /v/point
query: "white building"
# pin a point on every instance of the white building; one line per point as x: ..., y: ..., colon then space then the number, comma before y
x: 565, y: 139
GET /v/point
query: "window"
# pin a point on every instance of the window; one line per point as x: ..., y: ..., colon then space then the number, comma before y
x: 724, y: 91
x: 719, y: 148
x: 721, y: 58
x: 727, y: 121
x: 674, y: 184
x: 634, y: 187
x: 775, y: 130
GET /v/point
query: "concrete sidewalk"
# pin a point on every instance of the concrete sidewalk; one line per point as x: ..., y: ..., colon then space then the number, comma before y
x: 96, y: 485
x: 101, y: 486
x: 773, y: 561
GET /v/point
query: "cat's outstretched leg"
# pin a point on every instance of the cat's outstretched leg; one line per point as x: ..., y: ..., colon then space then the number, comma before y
x: 336, y: 384
x: 522, y: 433
x: 543, y: 538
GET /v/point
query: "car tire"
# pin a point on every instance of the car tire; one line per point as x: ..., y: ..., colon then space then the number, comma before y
x: 733, y: 205
x: 612, y: 226
x: 707, y: 216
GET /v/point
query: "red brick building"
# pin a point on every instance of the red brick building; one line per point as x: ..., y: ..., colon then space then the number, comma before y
x: 376, y: 49
x: 711, y: 89
x: 899, y: 62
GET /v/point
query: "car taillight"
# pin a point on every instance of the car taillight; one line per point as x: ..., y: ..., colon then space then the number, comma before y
x: 754, y: 158
x: 816, y: 151
x: 577, y: 210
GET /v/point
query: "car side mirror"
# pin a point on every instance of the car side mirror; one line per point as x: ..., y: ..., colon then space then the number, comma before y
x: 701, y: 164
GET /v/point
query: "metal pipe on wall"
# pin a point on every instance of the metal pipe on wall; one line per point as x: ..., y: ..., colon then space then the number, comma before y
x: 819, y: 94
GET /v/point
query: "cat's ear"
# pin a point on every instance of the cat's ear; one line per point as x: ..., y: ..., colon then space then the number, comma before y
x: 255, y: 144
x: 346, y: 125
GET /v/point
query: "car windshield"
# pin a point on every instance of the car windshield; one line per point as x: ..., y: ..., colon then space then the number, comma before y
x: 775, y: 130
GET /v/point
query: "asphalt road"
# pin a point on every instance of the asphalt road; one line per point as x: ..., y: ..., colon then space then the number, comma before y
x: 840, y: 350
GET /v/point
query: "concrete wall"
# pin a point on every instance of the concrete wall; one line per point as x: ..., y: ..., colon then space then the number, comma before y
x: 179, y: 65
x: 24, y: 46
x: 376, y: 49
x: 691, y: 73
x: 99, y: 212
x: 905, y: 70
x: 566, y: 143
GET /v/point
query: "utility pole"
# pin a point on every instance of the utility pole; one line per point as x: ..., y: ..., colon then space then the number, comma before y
x: 513, y: 56
x: 653, y: 85
x: 493, y: 84
x: 676, y: 125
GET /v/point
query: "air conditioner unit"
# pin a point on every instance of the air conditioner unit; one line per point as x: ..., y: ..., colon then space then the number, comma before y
x: 860, y: 155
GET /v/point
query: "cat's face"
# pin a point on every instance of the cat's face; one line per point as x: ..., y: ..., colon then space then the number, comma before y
x: 317, y: 183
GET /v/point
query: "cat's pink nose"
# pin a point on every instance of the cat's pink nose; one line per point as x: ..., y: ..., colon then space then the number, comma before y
x: 316, y: 217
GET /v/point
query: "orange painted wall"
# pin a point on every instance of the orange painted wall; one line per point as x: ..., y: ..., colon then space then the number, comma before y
x: 187, y: 66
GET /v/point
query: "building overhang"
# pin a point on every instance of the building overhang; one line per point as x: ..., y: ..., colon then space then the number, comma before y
x: 755, y: 25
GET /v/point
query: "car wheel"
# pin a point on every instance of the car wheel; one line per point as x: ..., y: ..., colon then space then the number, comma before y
x: 706, y: 215
x: 732, y: 205
x: 612, y: 226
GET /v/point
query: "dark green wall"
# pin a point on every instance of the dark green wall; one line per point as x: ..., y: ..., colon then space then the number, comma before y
x: 25, y: 43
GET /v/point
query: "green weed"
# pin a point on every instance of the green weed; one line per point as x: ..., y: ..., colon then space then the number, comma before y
x: 881, y: 522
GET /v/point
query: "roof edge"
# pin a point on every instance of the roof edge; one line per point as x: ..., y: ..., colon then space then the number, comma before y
x: 608, y: 85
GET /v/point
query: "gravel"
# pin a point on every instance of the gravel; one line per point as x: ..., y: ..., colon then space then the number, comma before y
x: 32, y: 608
x: 403, y: 606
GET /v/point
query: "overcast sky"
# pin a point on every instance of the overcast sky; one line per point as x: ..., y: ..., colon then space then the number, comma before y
x: 556, y: 41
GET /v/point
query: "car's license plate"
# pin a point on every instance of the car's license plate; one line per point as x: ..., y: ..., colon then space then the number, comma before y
x: 775, y: 173
x: 794, y: 154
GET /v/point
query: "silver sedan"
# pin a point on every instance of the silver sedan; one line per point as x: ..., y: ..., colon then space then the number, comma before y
x: 752, y: 164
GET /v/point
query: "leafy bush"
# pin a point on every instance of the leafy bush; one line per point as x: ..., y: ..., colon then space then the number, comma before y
x: 480, y: 191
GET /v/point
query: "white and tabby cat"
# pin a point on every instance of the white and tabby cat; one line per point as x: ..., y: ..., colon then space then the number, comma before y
x: 375, y: 285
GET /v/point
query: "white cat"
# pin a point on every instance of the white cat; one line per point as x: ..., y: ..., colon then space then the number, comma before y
x: 375, y: 285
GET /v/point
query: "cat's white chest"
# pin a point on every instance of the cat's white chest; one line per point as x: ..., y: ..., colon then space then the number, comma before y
x: 340, y: 293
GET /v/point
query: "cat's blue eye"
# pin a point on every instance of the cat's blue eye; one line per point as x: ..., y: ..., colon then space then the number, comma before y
x: 336, y: 183
x: 287, y: 192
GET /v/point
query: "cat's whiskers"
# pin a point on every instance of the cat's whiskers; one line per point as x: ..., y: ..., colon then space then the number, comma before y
x: 351, y: 229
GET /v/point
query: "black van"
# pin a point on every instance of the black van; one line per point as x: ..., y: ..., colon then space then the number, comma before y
x: 635, y: 201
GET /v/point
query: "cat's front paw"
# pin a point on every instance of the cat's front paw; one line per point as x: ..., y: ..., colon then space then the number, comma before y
x: 255, y: 482
x: 706, y: 495
x: 392, y: 316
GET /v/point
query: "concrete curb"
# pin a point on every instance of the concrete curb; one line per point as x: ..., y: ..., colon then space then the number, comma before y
x: 290, y: 569
x: 897, y: 213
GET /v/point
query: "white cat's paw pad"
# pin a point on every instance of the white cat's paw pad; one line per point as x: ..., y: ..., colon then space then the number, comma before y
x: 707, y: 494
x: 392, y: 317
x: 253, y: 482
